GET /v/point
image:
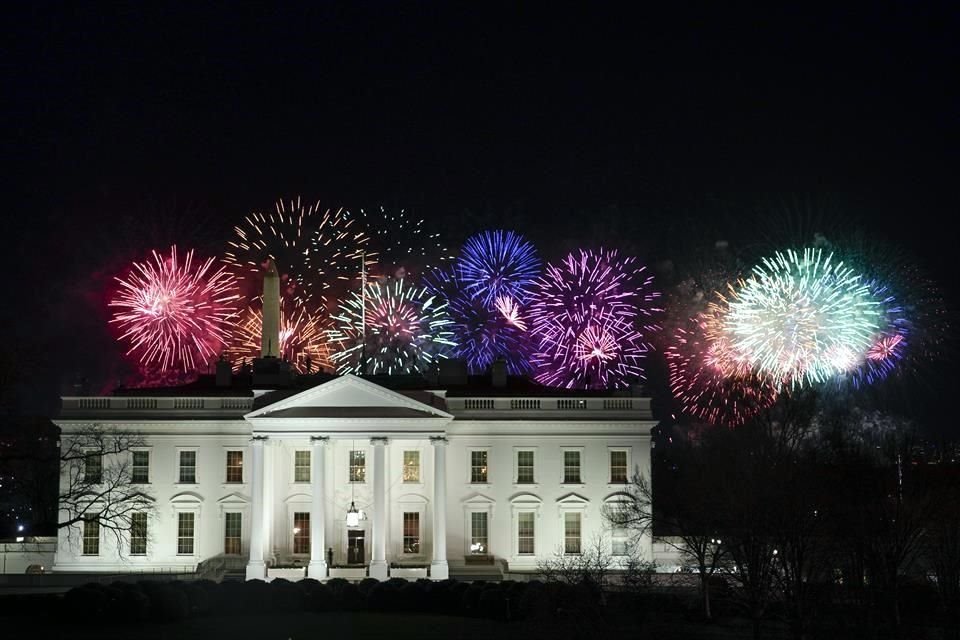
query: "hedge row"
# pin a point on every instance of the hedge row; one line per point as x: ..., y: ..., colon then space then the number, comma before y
x: 156, y: 601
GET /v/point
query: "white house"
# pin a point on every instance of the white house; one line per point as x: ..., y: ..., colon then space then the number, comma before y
x: 443, y: 478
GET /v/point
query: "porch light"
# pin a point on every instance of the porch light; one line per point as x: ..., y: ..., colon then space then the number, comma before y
x: 354, y: 516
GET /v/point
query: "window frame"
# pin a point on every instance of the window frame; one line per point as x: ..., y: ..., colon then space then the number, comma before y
x: 300, y: 537
x: 94, y: 537
x: 351, y: 466
x: 226, y: 532
x: 226, y: 465
x: 521, y: 514
x: 86, y: 465
x: 486, y: 537
x: 139, y: 539
x: 563, y: 466
x: 196, y: 460
x: 404, y: 535
x: 297, y: 467
x: 566, y: 535
x: 404, y: 466
x: 133, y: 465
x: 193, y: 533
x: 516, y: 466
x: 470, y: 465
x: 627, y: 454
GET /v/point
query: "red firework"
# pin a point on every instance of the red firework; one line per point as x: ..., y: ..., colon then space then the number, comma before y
x: 173, y: 314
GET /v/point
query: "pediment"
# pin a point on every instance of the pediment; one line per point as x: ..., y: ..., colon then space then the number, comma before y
x: 573, y: 499
x: 348, y: 397
x: 234, y: 498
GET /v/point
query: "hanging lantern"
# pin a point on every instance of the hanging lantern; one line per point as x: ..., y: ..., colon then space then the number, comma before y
x: 353, y: 516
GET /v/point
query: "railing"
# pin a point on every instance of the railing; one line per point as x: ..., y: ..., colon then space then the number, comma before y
x: 525, y: 403
x: 632, y: 405
x: 121, y: 403
x: 478, y: 403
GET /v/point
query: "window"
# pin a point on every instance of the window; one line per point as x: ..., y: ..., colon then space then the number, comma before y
x: 93, y: 467
x: 301, y: 466
x: 525, y: 531
x: 411, y: 532
x: 234, y: 466
x: 232, y: 533
x: 619, y: 542
x: 138, y: 534
x: 571, y: 467
x: 188, y: 467
x: 141, y: 467
x: 301, y: 532
x: 571, y: 532
x: 358, y: 466
x: 185, y: 522
x: 524, y: 467
x: 478, y: 533
x: 411, y: 466
x: 478, y: 466
x: 91, y: 537
x: 618, y: 466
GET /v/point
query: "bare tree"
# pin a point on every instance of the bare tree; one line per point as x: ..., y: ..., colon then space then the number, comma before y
x: 593, y: 566
x: 97, y: 480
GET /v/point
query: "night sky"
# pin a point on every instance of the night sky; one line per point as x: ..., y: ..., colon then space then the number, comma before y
x: 129, y: 128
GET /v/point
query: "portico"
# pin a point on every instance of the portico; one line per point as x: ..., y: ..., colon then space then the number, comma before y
x: 368, y: 446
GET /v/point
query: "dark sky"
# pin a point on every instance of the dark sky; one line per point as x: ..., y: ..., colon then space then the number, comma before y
x: 129, y: 127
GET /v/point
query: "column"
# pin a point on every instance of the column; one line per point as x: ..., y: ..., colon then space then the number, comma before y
x: 378, y: 563
x: 256, y: 568
x: 438, y: 567
x: 318, y: 552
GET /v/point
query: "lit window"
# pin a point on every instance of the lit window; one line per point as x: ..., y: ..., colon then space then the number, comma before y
x: 478, y: 466
x: 138, y: 534
x: 478, y: 533
x: 301, y: 466
x: 571, y: 532
x: 358, y: 466
x: 91, y: 537
x: 188, y: 467
x: 141, y: 467
x: 411, y: 532
x: 411, y: 466
x: 232, y: 533
x: 524, y: 467
x: 525, y: 532
x: 618, y: 467
x: 301, y: 532
x: 185, y: 522
x: 571, y: 467
x: 234, y: 466
x: 93, y: 467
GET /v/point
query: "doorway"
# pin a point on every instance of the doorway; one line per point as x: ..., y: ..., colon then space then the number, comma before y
x: 355, y: 547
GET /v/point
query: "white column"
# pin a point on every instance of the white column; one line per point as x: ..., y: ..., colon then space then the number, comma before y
x: 438, y: 567
x: 256, y: 568
x: 378, y: 563
x: 318, y: 552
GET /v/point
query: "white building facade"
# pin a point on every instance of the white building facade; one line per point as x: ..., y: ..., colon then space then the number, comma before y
x: 442, y: 482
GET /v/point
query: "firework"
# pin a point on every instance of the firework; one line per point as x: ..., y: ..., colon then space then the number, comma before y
x: 312, y: 247
x: 710, y: 380
x: 173, y: 314
x: 396, y: 328
x: 510, y: 311
x: 591, y: 315
x: 497, y: 263
x: 802, y: 318
x: 888, y: 346
x: 484, y: 334
x: 303, y: 340
x: 403, y: 244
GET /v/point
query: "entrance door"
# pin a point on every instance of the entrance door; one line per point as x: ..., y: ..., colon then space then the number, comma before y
x: 355, y: 554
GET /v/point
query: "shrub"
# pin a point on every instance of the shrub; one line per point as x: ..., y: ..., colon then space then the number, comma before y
x: 350, y: 598
x: 228, y: 598
x: 307, y: 585
x: 167, y: 603
x: 256, y: 596
x: 286, y: 596
x: 87, y: 602
x: 492, y: 604
x: 470, y: 599
x: 337, y: 584
x: 321, y: 599
x: 198, y: 599
x: 134, y: 605
x: 534, y: 601
x: 382, y: 597
x: 366, y: 584
x: 414, y: 596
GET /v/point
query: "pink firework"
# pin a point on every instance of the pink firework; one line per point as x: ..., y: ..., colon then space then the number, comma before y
x: 709, y: 378
x: 885, y: 348
x: 510, y: 311
x: 175, y: 315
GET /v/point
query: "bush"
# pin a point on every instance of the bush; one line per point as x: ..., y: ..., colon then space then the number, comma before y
x: 87, y: 602
x: 307, y: 585
x: 228, y: 598
x: 470, y: 600
x: 321, y: 599
x: 366, y: 584
x: 167, y: 603
x: 337, y: 584
x: 534, y: 601
x: 492, y: 604
x: 134, y: 605
x: 350, y: 598
x: 256, y: 596
x: 198, y: 600
x: 414, y: 597
x: 382, y: 597
x: 286, y: 596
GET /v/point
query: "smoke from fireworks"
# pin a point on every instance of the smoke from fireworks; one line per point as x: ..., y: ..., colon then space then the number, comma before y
x: 498, y: 263
x: 303, y: 341
x: 173, y: 314
x: 398, y: 328
x: 802, y: 318
x: 591, y: 315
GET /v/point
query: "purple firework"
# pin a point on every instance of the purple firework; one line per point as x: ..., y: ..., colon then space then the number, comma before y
x: 888, y: 346
x: 498, y: 263
x: 591, y: 315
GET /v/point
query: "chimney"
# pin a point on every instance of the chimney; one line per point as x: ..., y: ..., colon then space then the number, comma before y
x: 270, y: 328
x: 498, y: 373
x: 224, y: 372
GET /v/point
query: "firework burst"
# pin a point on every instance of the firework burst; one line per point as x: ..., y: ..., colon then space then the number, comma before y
x: 498, y: 263
x: 303, y: 340
x: 403, y: 244
x: 396, y: 328
x: 591, y: 314
x: 710, y: 380
x: 802, y: 318
x: 173, y: 314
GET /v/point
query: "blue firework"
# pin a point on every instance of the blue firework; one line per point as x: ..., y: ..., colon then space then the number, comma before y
x: 498, y: 263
